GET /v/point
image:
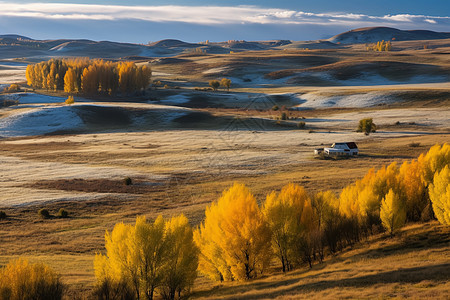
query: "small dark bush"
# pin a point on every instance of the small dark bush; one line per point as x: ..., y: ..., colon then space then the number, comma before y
x: 284, y: 116
x: 63, y: 213
x: 414, y: 145
x: 43, y: 213
x: 2, y: 215
x: 127, y: 181
x: 275, y: 108
x: 301, y: 125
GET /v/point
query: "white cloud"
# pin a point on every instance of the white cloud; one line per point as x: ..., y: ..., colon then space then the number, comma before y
x: 209, y: 15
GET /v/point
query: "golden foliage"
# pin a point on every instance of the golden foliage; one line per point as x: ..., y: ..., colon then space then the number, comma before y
x: 440, y: 195
x: 393, y: 212
x: 70, y: 100
x: 380, y: 46
x: 148, y: 256
x: 21, y: 280
x: 290, y: 218
x: 225, y: 82
x: 88, y: 76
x: 234, y: 240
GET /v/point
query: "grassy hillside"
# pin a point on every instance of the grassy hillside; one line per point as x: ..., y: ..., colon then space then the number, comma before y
x: 415, y: 264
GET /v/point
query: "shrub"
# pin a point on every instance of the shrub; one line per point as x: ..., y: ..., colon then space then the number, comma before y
x: 226, y: 83
x: 214, y: 84
x: 63, y: 213
x: 23, y: 280
x: 275, y: 108
x: 14, y: 87
x: 43, y: 213
x: 166, y: 86
x: 127, y: 181
x: 284, y: 116
x: 70, y: 100
x: 366, y: 126
x: 301, y: 125
x: 2, y: 215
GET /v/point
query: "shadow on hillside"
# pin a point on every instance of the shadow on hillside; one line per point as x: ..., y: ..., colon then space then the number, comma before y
x: 295, y: 286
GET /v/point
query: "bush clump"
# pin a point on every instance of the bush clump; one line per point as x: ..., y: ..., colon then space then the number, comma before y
x: 127, y: 181
x: 20, y: 279
x: 284, y: 116
x: 2, y: 215
x: 70, y: 100
x: 214, y: 84
x: 63, y: 213
x: 366, y: 126
x: 43, y: 213
x: 301, y: 125
x: 275, y: 108
x: 14, y: 87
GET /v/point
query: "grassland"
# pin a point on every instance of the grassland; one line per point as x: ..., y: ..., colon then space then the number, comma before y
x: 183, y: 147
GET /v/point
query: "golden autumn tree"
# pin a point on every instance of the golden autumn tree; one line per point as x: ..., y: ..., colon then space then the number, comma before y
x: 181, y: 259
x: 234, y: 240
x: 434, y: 160
x: 148, y: 257
x: 226, y: 83
x: 289, y: 216
x: 414, y: 188
x: 439, y: 192
x: 20, y: 279
x: 393, y: 212
x: 134, y: 255
x: 70, y: 81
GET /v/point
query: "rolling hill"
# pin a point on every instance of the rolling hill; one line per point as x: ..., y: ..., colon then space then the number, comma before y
x: 374, y: 34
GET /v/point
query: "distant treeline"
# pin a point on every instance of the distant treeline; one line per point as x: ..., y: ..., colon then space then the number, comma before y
x: 82, y: 75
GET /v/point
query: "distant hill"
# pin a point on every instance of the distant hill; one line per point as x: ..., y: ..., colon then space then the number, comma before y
x: 13, y: 45
x: 14, y: 37
x: 374, y: 34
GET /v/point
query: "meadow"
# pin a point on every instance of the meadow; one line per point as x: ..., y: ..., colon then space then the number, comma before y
x: 182, y: 147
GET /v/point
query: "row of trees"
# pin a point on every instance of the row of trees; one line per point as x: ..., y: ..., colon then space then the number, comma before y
x: 380, y: 46
x: 238, y: 238
x: 224, y: 82
x: 88, y: 76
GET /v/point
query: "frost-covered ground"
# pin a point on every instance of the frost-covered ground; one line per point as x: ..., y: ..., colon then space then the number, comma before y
x: 360, y: 100
x: 40, y: 121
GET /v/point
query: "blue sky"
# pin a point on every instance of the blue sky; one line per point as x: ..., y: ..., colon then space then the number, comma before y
x: 141, y: 21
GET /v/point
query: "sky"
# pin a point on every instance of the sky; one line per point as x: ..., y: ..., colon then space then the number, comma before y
x: 143, y: 21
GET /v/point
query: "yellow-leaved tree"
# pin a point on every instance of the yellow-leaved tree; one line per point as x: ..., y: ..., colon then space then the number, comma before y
x: 182, y: 258
x: 439, y: 192
x: 140, y: 259
x: 70, y: 81
x: 392, y: 212
x: 289, y: 216
x: 20, y: 280
x: 234, y: 240
x: 414, y: 187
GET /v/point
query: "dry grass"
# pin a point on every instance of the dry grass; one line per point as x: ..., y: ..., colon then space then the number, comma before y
x: 412, y: 265
x: 179, y: 170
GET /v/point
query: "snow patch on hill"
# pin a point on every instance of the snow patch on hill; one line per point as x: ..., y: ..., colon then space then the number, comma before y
x: 40, y: 121
x: 313, y: 100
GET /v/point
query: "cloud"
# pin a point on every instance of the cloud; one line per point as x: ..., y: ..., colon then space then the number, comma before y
x: 209, y: 15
